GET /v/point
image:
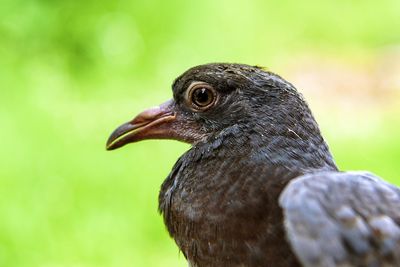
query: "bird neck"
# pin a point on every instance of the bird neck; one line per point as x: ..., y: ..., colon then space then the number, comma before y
x: 286, y: 148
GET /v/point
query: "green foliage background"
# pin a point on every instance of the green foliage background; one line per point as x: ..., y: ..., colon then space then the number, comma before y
x: 71, y: 71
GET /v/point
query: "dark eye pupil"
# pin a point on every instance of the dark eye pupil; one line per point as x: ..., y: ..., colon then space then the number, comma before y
x: 202, y: 97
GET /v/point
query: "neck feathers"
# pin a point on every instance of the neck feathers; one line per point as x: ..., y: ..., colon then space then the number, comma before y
x: 287, y: 148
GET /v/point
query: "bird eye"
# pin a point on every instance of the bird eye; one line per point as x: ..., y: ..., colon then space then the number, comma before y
x: 201, y: 96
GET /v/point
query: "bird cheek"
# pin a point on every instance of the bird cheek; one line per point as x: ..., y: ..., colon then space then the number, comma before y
x: 187, y: 130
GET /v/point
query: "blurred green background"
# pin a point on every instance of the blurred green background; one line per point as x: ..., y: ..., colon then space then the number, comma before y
x: 71, y: 71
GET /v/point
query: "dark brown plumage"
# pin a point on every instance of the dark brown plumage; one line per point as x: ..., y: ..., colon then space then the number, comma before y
x: 254, y: 137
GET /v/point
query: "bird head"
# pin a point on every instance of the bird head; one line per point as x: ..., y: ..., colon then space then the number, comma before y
x: 209, y: 100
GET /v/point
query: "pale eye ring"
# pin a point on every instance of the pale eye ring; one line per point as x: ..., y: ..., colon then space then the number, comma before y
x: 201, y: 96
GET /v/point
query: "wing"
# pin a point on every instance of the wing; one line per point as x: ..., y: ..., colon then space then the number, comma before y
x: 342, y: 219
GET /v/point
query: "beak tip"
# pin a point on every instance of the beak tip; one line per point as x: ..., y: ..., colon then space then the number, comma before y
x: 112, y: 147
x: 116, y: 139
x: 111, y: 144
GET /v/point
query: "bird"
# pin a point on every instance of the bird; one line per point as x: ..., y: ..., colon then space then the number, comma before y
x: 259, y: 185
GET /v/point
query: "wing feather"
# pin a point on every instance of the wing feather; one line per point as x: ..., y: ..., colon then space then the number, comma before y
x: 342, y: 219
